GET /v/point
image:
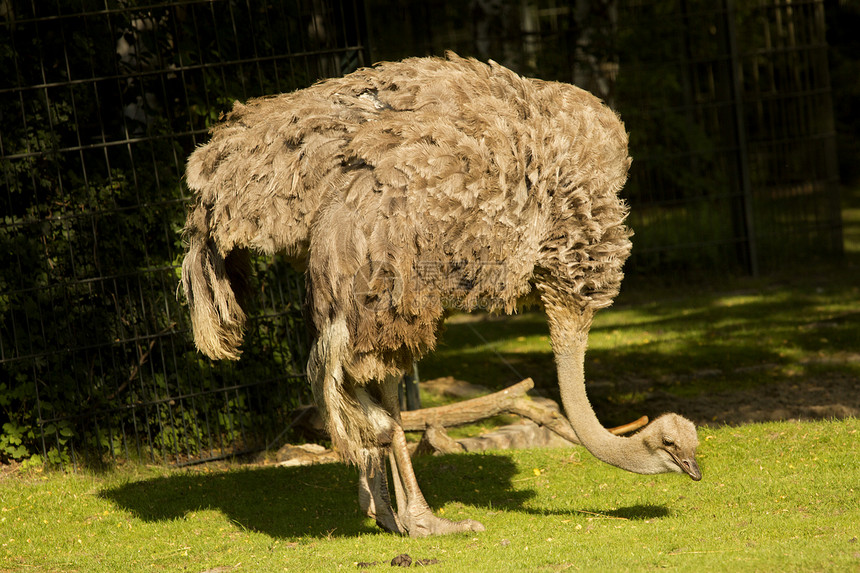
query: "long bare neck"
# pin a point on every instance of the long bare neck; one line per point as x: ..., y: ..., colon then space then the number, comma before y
x: 569, y: 333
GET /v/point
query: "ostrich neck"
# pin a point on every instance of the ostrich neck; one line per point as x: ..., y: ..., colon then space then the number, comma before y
x: 569, y: 334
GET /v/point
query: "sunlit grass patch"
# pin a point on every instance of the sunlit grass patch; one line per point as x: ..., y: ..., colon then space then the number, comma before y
x: 777, y: 496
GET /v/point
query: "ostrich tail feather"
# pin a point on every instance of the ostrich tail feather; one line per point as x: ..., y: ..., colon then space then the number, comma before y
x: 214, y: 285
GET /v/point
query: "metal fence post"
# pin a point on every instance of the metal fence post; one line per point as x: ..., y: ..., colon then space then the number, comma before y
x: 742, y: 154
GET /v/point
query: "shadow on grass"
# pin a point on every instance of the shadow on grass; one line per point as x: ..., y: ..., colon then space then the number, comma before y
x: 733, y: 334
x: 322, y: 500
x: 281, y: 502
x: 634, y: 512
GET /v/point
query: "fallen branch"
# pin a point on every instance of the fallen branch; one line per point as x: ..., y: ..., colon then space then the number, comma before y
x: 467, y: 411
x: 436, y: 440
x: 511, y: 400
x: 433, y: 421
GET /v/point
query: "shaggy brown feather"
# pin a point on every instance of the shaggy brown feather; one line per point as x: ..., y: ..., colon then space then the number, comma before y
x: 402, y: 166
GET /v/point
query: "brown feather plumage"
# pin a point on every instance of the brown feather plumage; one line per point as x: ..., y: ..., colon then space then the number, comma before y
x: 410, y: 188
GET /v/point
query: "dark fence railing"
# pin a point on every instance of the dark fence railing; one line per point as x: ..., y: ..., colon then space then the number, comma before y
x: 727, y: 103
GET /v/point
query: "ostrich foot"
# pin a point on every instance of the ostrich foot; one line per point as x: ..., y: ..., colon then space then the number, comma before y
x: 387, y: 521
x: 422, y: 523
x: 413, y: 511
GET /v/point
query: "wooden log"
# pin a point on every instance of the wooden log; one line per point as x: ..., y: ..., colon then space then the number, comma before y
x: 511, y: 400
x: 437, y: 441
x: 467, y: 411
x: 556, y: 422
x: 630, y: 427
x: 543, y: 416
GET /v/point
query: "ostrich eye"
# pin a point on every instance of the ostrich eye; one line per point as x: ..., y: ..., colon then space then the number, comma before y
x: 668, y: 442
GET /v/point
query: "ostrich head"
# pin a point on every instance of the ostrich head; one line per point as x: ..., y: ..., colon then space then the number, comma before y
x: 671, y: 443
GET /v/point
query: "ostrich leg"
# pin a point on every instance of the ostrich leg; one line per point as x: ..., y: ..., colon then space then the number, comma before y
x: 373, y: 496
x: 333, y: 394
x: 412, y: 509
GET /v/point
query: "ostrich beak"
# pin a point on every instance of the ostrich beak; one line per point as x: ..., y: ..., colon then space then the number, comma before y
x: 690, y: 467
x: 687, y: 464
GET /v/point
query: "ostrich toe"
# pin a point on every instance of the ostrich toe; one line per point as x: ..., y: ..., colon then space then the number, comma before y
x: 424, y: 523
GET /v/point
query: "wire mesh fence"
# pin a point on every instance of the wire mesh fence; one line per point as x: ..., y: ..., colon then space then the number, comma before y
x: 727, y: 104
x: 100, y: 105
x: 732, y: 126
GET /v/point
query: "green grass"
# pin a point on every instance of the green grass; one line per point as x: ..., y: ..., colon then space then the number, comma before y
x: 778, y: 496
x: 775, y: 497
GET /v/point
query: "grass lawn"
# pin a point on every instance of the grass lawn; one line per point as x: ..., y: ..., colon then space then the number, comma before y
x: 775, y: 497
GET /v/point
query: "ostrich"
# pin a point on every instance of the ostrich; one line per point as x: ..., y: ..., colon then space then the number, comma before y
x: 405, y: 190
